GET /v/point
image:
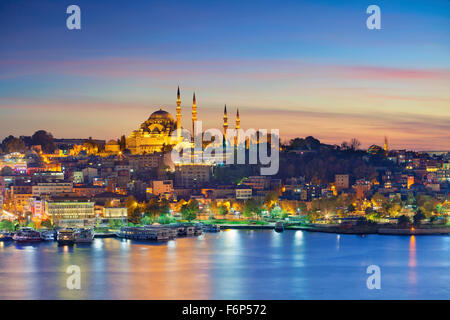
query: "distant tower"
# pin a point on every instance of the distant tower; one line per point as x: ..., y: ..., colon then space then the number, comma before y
x: 238, y: 126
x: 385, y: 146
x: 194, y: 115
x: 225, y: 123
x: 178, y: 114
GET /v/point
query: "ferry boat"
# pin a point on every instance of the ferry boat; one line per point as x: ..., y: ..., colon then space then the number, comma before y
x: 6, y: 236
x: 27, y: 235
x: 84, y: 235
x: 279, y: 226
x: 66, y: 236
x: 155, y: 233
x: 48, y: 235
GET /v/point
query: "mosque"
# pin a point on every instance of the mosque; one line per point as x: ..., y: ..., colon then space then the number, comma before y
x: 155, y: 134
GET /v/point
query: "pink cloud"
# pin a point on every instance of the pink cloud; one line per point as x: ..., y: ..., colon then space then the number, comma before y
x: 384, y: 73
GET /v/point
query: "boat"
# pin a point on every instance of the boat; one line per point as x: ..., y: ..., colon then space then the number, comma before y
x: 198, y: 230
x: 211, y: 228
x: 184, y: 229
x: 27, y: 235
x: 6, y: 236
x: 66, y: 236
x: 84, y: 235
x: 279, y: 226
x: 155, y: 233
x: 173, y: 233
x: 48, y: 235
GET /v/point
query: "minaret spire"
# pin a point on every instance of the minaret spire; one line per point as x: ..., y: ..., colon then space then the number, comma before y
x: 194, y: 114
x: 386, y: 151
x: 238, y: 126
x: 178, y: 114
x: 225, y: 123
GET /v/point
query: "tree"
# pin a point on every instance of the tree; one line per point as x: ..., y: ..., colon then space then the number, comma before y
x: 7, y: 225
x: 271, y: 199
x: 146, y: 220
x: 378, y: 199
x: 134, y: 214
x: 403, y: 221
x: 418, y: 217
x: 354, y: 144
x: 189, y: 210
x: 166, y: 219
x: 251, y: 208
x: 223, y: 210
x: 13, y: 144
x: 45, y: 140
x: 47, y: 224
x: 122, y: 143
x: 157, y: 207
x: 276, y: 212
x: 131, y: 202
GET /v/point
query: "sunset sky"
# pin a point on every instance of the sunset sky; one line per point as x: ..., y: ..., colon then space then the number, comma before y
x: 305, y: 68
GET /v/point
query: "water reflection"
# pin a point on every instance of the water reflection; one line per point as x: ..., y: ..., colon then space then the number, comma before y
x: 235, y: 264
x: 412, y: 260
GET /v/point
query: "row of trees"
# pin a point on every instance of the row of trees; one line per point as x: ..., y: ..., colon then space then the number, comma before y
x: 41, y: 137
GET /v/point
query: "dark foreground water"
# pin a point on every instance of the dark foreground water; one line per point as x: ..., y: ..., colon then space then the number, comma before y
x: 233, y: 264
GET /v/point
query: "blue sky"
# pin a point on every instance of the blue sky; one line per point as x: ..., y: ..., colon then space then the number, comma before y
x: 306, y: 68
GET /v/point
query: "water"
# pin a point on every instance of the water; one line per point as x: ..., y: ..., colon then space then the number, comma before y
x: 233, y: 264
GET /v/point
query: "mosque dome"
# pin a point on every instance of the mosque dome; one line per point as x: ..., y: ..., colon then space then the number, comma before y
x: 161, y: 115
x: 374, y: 149
x: 159, y: 121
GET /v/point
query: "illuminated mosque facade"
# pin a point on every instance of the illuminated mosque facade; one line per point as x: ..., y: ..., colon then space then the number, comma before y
x: 155, y: 134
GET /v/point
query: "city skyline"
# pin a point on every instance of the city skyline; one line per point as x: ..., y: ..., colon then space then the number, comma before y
x: 304, y: 69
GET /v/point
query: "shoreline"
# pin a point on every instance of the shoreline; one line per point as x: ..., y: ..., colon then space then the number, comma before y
x: 336, y: 229
x: 381, y: 230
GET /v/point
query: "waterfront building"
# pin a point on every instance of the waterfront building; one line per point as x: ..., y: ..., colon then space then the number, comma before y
x: 115, y: 214
x: 70, y: 212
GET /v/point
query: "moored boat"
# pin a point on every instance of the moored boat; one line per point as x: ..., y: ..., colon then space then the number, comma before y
x: 211, y: 228
x: 155, y: 233
x: 48, y: 235
x: 27, y: 235
x: 66, y: 236
x: 279, y: 226
x: 84, y: 235
x: 6, y: 236
x: 198, y: 230
x: 184, y: 229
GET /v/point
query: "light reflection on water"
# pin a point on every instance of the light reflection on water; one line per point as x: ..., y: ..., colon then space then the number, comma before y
x: 234, y: 264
